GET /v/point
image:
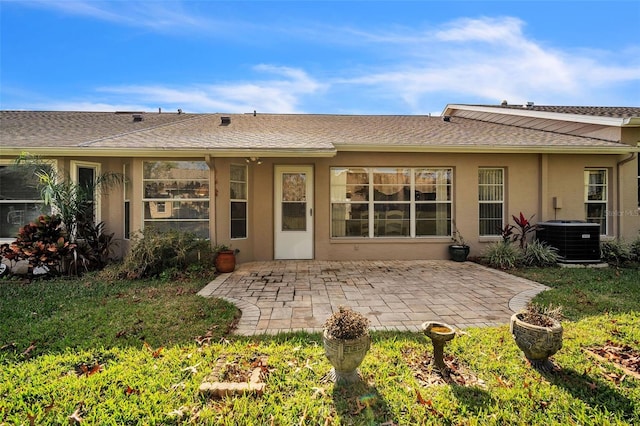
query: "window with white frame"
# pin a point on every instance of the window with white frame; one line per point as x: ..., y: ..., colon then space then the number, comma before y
x: 490, y: 201
x: 595, y: 197
x: 238, y: 189
x: 176, y: 196
x: 390, y: 202
x: 20, y: 201
x: 126, y: 172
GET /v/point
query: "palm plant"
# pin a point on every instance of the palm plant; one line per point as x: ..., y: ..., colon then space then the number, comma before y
x: 69, y: 200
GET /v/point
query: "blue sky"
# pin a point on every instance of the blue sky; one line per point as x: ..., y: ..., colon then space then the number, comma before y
x: 348, y: 57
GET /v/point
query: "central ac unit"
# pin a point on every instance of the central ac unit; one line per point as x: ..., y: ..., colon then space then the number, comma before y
x: 577, y: 241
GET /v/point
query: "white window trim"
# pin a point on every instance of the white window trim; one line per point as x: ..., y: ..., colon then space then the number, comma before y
x: 502, y: 201
x: 97, y: 197
x: 606, y: 198
x: 245, y: 200
x: 371, y: 203
x: 8, y: 162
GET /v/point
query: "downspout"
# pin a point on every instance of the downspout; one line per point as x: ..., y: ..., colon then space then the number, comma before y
x: 620, y: 163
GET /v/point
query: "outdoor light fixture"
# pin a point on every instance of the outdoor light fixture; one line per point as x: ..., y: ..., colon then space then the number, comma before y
x: 253, y: 160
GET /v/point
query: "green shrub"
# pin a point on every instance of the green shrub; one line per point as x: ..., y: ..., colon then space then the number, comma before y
x: 634, y: 249
x: 503, y: 255
x: 538, y: 253
x: 615, y: 252
x: 155, y: 253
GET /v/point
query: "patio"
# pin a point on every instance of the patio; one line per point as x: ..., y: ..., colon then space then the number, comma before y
x: 284, y: 296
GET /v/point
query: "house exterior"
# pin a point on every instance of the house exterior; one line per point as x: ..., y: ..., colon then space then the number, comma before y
x: 338, y: 187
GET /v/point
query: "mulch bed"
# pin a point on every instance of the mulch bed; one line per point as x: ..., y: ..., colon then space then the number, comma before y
x: 623, y: 356
x: 421, y: 363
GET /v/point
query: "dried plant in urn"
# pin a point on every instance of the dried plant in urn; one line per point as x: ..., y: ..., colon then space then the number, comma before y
x: 538, y: 333
x: 346, y: 342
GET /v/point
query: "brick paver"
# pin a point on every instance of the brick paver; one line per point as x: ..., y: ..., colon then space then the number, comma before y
x: 284, y: 296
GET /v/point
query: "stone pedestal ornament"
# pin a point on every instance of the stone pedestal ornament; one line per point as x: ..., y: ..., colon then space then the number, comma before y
x: 439, y: 333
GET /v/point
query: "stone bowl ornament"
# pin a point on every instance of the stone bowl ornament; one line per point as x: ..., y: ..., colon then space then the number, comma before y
x: 346, y: 342
x: 538, y: 334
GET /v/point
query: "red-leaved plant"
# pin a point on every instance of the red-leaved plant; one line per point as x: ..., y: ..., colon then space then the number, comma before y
x: 524, y: 227
x: 43, y: 243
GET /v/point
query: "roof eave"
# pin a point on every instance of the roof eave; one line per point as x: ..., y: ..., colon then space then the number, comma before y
x: 166, y: 152
x: 524, y: 112
x: 475, y: 149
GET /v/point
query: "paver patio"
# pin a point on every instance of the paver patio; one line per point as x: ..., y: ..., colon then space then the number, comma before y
x: 295, y: 295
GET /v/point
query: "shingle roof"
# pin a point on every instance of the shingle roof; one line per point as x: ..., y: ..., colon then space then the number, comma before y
x: 70, y: 129
x: 274, y: 133
x: 595, y: 111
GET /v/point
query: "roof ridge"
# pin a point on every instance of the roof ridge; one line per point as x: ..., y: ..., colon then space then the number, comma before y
x: 540, y: 130
x: 118, y: 135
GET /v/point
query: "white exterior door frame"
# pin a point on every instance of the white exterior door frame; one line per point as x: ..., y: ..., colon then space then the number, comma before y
x: 294, y: 212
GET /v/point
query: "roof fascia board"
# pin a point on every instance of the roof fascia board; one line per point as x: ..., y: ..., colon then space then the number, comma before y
x: 579, y: 118
x: 164, y: 153
x: 470, y: 149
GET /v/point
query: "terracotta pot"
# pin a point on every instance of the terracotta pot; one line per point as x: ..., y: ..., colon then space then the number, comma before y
x: 225, y: 261
x: 345, y: 355
x: 538, y: 343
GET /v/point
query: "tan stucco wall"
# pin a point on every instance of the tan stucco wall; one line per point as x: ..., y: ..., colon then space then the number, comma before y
x: 528, y: 175
x: 532, y: 180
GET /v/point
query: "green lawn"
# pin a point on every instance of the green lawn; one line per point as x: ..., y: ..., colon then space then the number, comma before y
x: 126, y: 353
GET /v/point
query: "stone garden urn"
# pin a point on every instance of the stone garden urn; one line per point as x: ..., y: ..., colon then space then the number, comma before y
x: 537, y: 342
x: 346, y: 341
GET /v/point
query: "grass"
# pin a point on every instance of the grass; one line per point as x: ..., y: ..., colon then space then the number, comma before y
x: 79, y: 369
x: 585, y: 292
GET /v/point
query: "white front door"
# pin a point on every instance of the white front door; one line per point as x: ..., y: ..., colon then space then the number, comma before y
x: 294, y: 212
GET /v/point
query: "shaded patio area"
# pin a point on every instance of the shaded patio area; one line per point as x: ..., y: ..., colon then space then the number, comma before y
x: 295, y: 295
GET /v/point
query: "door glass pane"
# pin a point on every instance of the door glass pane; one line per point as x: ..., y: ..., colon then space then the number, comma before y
x: 294, y: 187
x: 294, y: 216
x: 86, y: 181
x: 294, y: 206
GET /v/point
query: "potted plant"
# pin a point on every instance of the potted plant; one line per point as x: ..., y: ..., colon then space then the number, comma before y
x: 346, y: 342
x: 538, y: 333
x: 224, y: 258
x: 459, y: 250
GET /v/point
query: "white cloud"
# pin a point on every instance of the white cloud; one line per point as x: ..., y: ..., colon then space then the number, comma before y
x: 490, y: 59
x: 282, y: 94
x: 158, y: 15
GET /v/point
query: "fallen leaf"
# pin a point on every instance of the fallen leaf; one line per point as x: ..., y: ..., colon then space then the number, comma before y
x: 75, y: 417
x: 121, y: 333
x: 503, y: 383
x: 49, y: 407
x: 131, y: 390
x: 318, y: 392
x: 32, y: 419
x: 29, y: 349
x: 192, y: 369
x: 421, y: 400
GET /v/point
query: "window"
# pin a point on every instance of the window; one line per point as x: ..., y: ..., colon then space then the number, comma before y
x: 390, y: 202
x: 490, y: 201
x: 126, y: 172
x: 595, y: 197
x: 20, y: 200
x: 238, y: 188
x: 176, y: 196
